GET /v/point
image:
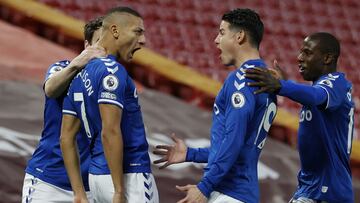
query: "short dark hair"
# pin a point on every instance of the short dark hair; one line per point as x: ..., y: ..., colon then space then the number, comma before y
x: 247, y: 19
x: 123, y: 9
x: 327, y: 43
x: 91, y: 27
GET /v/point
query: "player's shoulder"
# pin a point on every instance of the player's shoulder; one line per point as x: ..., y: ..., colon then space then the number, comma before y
x: 236, y: 80
x: 109, y: 65
x: 334, y: 80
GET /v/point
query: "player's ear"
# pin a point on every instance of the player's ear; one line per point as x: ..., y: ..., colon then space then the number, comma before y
x: 240, y: 36
x: 328, y: 58
x: 86, y: 44
x: 115, y: 31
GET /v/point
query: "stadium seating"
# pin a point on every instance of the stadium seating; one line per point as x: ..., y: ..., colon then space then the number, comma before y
x: 184, y: 30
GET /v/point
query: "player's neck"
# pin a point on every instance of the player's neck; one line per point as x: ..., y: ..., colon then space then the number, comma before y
x: 245, y: 55
x: 108, y: 45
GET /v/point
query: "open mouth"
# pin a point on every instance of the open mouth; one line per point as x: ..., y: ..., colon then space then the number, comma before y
x: 301, y: 68
x: 133, y: 52
x: 219, y: 52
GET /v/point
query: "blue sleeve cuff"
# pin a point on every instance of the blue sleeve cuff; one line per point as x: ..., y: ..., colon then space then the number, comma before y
x: 204, y: 188
x: 190, y: 154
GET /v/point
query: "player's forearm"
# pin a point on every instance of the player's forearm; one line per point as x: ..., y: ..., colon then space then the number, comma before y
x: 58, y: 83
x: 71, y: 161
x: 197, y: 155
x: 304, y: 94
x: 113, y: 149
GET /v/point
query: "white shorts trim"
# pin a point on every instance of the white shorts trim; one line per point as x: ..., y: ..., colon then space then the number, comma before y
x: 217, y: 197
x: 38, y: 191
x: 139, y: 187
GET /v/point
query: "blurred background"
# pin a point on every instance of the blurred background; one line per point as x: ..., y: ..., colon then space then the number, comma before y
x: 178, y: 75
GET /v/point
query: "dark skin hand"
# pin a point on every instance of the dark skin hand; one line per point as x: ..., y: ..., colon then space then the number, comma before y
x: 265, y: 80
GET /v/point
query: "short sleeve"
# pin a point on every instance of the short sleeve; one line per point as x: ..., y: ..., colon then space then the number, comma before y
x: 112, y: 86
x: 56, y: 67
x: 335, y: 87
x: 68, y: 105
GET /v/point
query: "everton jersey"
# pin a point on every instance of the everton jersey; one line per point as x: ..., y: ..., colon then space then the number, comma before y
x: 105, y: 81
x: 241, y: 121
x: 324, y: 142
x: 47, y: 163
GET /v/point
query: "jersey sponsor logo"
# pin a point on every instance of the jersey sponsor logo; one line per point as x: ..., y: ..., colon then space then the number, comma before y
x: 238, y: 100
x: 324, y: 189
x: 108, y: 95
x: 326, y: 82
x: 110, y: 82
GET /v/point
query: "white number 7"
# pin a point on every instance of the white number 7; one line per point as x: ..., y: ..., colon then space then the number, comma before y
x: 79, y: 97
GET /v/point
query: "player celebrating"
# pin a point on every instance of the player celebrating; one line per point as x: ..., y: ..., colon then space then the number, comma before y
x: 241, y: 121
x: 326, y: 120
x: 46, y: 179
x: 103, y: 98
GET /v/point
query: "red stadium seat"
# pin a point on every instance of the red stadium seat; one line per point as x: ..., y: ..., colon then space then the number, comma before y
x: 185, y: 30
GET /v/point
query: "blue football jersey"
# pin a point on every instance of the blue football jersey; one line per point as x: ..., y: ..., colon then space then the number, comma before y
x: 241, y: 121
x: 324, y: 142
x: 105, y: 81
x: 47, y: 163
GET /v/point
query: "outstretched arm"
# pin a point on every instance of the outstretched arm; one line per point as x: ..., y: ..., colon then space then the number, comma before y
x: 59, y: 81
x: 69, y: 128
x: 112, y: 141
x: 304, y: 94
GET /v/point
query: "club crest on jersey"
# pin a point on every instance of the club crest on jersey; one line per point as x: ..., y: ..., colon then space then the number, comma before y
x: 110, y: 82
x: 238, y: 100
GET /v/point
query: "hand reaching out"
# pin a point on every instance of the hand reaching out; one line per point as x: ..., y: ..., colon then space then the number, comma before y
x: 171, y: 154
